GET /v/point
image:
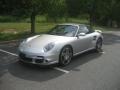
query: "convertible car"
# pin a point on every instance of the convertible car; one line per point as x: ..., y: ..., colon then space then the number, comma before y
x: 60, y: 44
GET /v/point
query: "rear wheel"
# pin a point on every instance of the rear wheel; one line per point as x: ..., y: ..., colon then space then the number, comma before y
x: 65, y: 56
x: 99, y: 45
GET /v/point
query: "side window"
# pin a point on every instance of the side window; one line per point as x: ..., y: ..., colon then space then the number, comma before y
x: 90, y: 29
x: 83, y: 29
x: 70, y: 30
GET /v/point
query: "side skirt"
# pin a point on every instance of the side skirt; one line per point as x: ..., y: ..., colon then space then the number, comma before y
x: 83, y: 51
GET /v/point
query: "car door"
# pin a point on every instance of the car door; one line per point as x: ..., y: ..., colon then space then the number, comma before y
x: 91, y: 37
x: 84, y: 42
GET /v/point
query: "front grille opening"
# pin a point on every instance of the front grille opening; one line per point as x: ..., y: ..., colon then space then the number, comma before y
x: 39, y: 60
x: 23, y: 57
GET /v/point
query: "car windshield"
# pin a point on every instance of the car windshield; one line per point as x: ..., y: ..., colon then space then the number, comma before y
x: 64, y: 30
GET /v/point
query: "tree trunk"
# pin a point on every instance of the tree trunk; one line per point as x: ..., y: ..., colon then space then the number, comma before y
x: 66, y: 18
x: 90, y: 19
x: 92, y: 13
x: 33, y: 23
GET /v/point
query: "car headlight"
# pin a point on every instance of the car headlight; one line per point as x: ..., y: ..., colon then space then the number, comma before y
x: 22, y: 42
x: 48, y: 47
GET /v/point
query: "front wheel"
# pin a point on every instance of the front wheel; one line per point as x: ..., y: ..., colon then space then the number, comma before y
x: 99, y: 45
x: 65, y: 56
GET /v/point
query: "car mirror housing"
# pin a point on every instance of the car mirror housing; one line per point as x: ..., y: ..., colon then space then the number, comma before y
x: 81, y: 34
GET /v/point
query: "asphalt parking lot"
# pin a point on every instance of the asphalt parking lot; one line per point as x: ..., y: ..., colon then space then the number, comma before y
x: 88, y: 71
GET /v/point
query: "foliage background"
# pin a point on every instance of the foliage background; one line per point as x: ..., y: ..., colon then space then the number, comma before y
x: 41, y: 15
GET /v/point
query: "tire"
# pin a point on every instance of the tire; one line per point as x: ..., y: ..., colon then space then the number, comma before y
x: 65, y: 56
x: 99, y: 43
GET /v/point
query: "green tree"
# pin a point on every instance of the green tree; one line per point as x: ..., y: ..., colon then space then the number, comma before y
x: 56, y: 9
x: 107, y: 12
x: 73, y: 7
x: 24, y: 8
x: 103, y: 12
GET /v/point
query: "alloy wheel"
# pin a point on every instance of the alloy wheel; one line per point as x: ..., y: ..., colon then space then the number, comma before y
x: 65, y: 56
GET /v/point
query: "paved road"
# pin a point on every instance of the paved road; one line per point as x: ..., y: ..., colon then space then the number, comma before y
x: 89, y: 71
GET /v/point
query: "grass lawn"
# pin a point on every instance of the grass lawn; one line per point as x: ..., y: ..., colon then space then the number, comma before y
x: 21, y: 27
x: 4, y: 27
x: 17, y: 30
x: 11, y: 29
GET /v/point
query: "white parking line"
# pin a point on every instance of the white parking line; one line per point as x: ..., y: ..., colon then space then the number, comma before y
x: 56, y: 68
x: 8, y: 52
x: 62, y: 70
x: 102, y: 52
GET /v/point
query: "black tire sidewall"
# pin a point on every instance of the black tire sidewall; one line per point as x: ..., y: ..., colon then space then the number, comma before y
x: 60, y: 61
x: 99, y: 41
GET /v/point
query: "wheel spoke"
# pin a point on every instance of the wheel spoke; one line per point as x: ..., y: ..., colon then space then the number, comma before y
x: 66, y: 56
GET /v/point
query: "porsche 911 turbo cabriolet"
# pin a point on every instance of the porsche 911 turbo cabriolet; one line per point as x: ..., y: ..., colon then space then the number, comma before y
x: 60, y: 44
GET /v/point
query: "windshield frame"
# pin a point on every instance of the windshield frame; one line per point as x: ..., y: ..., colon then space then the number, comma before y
x: 65, y: 25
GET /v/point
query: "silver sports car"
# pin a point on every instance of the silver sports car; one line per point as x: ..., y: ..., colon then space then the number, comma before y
x: 60, y: 44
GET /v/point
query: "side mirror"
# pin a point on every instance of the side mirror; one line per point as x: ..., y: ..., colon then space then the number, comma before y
x: 81, y: 34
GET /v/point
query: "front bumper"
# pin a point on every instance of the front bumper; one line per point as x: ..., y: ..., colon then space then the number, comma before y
x: 38, y: 59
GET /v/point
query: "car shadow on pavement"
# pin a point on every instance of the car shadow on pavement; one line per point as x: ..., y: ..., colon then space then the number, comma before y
x: 33, y: 72
x: 2, y: 70
x: 36, y: 73
x: 5, y: 60
x: 82, y: 59
x: 41, y: 74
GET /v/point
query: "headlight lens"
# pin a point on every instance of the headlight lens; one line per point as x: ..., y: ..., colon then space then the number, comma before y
x: 23, y: 42
x: 49, y: 46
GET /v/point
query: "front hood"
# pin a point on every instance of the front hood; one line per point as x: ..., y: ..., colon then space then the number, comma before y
x: 40, y: 41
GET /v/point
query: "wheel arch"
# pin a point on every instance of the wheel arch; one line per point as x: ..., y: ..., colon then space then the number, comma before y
x: 65, y: 46
x: 69, y: 46
x: 100, y: 38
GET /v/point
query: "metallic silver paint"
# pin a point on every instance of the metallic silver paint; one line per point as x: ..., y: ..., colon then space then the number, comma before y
x: 34, y: 46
